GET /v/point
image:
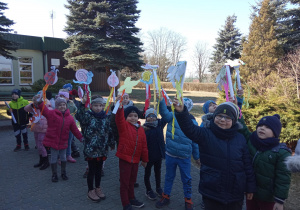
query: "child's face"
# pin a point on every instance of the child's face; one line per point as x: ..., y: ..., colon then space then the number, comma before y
x: 212, y: 107
x: 62, y: 96
x: 151, y: 118
x: 97, y: 107
x: 223, y: 121
x: 132, y: 118
x: 62, y: 107
x: 15, y: 96
x: 125, y: 100
x: 264, y: 132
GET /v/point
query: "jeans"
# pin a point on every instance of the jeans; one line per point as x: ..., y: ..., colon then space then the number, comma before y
x: 185, y: 172
x: 71, y: 137
x: 55, y: 153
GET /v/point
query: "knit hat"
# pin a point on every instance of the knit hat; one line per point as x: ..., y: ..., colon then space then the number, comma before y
x: 131, y: 109
x: 60, y: 100
x: 64, y: 92
x: 229, y: 109
x: 98, y: 101
x: 48, y: 95
x: 150, y: 111
x: 273, y: 122
x: 68, y: 86
x: 188, y: 103
x: 16, y: 91
x: 206, y: 106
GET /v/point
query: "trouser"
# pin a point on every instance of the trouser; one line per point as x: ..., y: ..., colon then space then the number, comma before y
x: 157, y: 172
x: 185, y: 172
x: 18, y: 129
x: 73, y: 145
x: 39, y: 137
x: 95, y: 167
x: 256, y: 204
x: 71, y: 137
x: 55, y: 153
x: 211, y: 204
x: 128, y: 174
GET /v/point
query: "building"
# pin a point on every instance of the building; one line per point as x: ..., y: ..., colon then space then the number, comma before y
x: 35, y: 56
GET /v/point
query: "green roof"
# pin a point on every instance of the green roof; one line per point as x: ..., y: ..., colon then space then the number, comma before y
x: 37, y: 43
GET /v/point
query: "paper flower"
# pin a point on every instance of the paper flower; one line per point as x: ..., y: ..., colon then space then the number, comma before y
x: 128, y: 85
x: 51, y: 76
x: 147, y: 77
x: 113, y: 80
x: 176, y: 72
x: 234, y: 63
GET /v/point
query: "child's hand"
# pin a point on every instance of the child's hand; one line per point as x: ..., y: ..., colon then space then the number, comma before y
x: 249, y: 196
x: 240, y: 93
x: 233, y: 100
x: 178, y: 107
x: 198, y: 162
x: 84, y: 98
x: 278, y: 206
x: 144, y: 164
x: 157, y: 95
x: 10, y: 110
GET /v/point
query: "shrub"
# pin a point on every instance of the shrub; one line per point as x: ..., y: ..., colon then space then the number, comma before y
x: 39, y: 84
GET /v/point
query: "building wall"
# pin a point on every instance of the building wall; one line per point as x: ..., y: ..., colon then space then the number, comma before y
x: 38, y: 73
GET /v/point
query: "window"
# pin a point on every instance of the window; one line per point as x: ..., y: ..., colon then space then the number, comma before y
x: 6, y: 71
x: 26, y: 70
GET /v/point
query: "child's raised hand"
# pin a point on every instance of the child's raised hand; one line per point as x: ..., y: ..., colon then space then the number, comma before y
x: 233, y: 100
x: 84, y: 98
x: 144, y: 164
x: 118, y: 98
x: 249, y: 196
x: 240, y: 93
x: 178, y: 107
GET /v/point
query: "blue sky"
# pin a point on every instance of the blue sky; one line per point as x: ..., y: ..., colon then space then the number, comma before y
x: 197, y: 20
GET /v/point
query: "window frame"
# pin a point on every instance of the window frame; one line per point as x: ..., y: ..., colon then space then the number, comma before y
x: 12, y: 71
x: 19, y: 66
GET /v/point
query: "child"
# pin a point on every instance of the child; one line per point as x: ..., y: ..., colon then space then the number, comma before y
x: 131, y: 149
x: 156, y: 150
x: 268, y: 157
x: 178, y: 153
x: 39, y: 127
x: 98, y: 137
x: 126, y: 101
x: 226, y: 172
x: 17, y: 108
x: 64, y: 93
x: 60, y: 122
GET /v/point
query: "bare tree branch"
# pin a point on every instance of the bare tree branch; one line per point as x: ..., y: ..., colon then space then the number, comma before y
x: 201, y: 59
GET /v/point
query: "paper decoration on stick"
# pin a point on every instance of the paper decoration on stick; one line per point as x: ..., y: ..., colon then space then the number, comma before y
x: 127, y: 87
x: 80, y: 93
x: 85, y: 77
x: 112, y: 81
x: 147, y: 78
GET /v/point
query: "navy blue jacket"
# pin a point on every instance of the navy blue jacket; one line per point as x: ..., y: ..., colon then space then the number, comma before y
x: 155, y: 141
x: 226, y: 171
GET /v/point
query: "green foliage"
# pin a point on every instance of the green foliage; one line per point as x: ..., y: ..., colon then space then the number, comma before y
x: 102, y: 35
x: 39, y: 84
x: 24, y: 89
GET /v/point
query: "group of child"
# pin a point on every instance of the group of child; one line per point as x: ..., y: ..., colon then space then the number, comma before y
x: 234, y: 162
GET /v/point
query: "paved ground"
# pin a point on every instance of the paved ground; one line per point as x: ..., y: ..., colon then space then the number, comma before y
x: 25, y: 187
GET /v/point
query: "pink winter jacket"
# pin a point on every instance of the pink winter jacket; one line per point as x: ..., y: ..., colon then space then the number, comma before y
x: 42, y: 125
x: 59, y: 126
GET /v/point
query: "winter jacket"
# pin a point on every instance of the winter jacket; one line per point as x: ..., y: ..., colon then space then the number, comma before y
x: 72, y: 108
x: 132, y: 140
x: 226, y: 172
x: 97, y: 133
x: 42, y: 125
x: 22, y: 116
x: 272, y: 176
x: 180, y: 146
x: 155, y: 141
x: 59, y: 126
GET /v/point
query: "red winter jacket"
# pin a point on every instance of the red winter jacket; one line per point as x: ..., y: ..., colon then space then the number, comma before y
x: 59, y: 125
x: 132, y: 140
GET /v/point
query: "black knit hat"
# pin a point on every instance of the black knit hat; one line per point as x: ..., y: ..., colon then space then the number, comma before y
x: 229, y: 109
x: 273, y: 122
x: 131, y: 109
x: 16, y: 91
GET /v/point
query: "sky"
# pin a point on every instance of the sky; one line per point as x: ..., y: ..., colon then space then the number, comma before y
x: 197, y: 20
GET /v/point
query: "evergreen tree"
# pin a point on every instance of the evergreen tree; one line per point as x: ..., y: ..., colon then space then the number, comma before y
x: 261, y: 51
x: 102, y: 35
x: 228, y: 45
x: 290, y: 35
x: 5, y: 24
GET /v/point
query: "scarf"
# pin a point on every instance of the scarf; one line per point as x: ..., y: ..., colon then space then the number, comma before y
x: 151, y: 124
x: 130, y: 103
x: 100, y: 115
x: 224, y: 133
x: 263, y: 144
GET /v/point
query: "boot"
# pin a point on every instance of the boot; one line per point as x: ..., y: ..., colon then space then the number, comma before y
x: 45, y: 163
x: 40, y: 162
x: 63, y: 170
x: 54, y: 172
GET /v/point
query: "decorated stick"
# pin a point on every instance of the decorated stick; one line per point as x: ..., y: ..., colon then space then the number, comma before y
x: 229, y: 81
x: 112, y: 81
x: 84, y: 77
x: 238, y: 78
x: 167, y: 97
x: 12, y: 114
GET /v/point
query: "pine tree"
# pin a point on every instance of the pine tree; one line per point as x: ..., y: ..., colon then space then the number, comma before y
x: 228, y: 45
x: 102, y: 35
x: 261, y: 51
x: 5, y: 45
x: 291, y: 27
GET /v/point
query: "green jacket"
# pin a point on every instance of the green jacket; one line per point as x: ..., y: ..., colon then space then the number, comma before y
x: 22, y: 117
x: 272, y: 176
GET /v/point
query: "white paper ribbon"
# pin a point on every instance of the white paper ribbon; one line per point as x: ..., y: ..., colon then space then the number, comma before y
x: 229, y: 82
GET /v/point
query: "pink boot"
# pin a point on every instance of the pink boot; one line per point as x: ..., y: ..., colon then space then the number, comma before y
x: 70, y: 159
